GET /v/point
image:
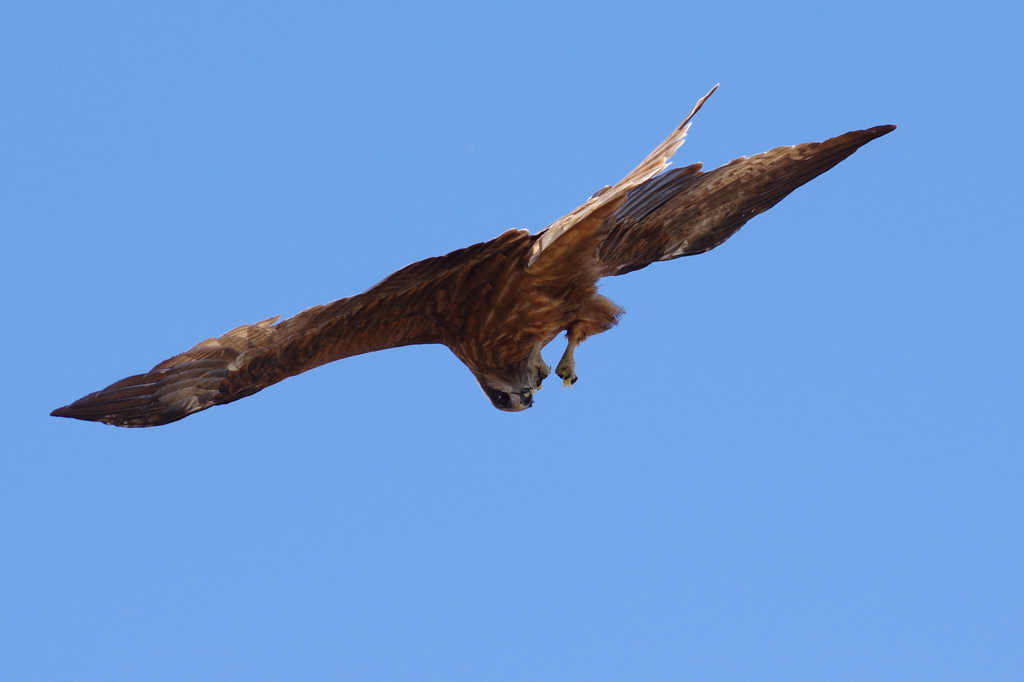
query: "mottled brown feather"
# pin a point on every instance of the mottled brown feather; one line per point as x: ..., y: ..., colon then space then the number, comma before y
x: 684, y: 211
x: 426, y: 302
x: 490, y: 303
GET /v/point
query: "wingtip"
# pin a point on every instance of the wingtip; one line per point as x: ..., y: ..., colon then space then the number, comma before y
x: 699, y: 104
x: 69, y: 413
x: 882, y: 130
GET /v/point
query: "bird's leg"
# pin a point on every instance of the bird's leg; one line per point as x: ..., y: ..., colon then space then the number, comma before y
x: 596, y: 315
x: 566, y: 368
x: 539, y: 370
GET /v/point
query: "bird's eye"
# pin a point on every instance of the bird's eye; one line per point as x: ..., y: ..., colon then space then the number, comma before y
x: 502, y: 400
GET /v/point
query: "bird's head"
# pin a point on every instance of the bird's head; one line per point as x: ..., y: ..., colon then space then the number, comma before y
x: 506, y: 396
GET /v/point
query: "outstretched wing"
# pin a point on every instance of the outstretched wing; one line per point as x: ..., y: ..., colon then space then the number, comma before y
x: 421, y: 303
x: 685, y: 212
x: 656, y: 161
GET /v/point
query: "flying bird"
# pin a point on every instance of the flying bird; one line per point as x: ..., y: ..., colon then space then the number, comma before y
x: 497, y: 304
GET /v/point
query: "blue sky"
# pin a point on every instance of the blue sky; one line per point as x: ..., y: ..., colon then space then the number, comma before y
x: 798, y: 457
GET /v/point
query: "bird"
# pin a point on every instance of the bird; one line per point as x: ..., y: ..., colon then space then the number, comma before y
x: 497, y: 304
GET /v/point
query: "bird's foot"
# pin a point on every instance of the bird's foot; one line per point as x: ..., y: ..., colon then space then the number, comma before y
x: 566, y: 368
x: 539, y: 370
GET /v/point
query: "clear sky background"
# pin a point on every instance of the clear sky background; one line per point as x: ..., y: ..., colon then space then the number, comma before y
x: 798, y: 457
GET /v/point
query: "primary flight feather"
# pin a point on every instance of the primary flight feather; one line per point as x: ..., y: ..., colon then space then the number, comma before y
x: 495, y: 304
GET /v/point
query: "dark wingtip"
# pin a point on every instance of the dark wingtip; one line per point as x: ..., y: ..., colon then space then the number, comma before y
x: 882, y: 130
x: 70, y: 412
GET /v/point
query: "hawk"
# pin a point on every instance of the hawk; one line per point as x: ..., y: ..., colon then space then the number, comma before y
x: 497, y: 304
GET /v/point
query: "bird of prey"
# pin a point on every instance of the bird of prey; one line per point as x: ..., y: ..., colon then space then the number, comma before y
x: 497, y: 304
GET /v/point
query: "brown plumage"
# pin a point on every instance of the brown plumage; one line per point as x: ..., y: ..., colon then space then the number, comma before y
x: 495, y: 304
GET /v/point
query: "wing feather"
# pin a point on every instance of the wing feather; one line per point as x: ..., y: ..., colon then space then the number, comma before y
x: 420, y: 303
x: 656, y: 162
x: 685, y: 212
